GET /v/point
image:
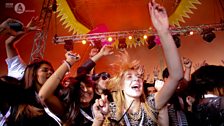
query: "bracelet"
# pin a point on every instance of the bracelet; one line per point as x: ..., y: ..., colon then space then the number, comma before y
x: 68, y: 64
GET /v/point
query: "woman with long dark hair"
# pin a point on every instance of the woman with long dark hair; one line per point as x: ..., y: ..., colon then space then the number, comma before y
x: 76, y: 107
x: 32, y: 77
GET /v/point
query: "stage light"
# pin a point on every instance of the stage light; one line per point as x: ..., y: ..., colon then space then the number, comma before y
x: 188, y: 33
x: 97, y: 44
x: 145, y: 36
x: 122, y: 43
x: 151, y: 42
x: 208, y: 35
x: 54, y: 6
x: 83, y: 42
x: 110, y: 39
x: 138, y: 41
x: 130, y: 37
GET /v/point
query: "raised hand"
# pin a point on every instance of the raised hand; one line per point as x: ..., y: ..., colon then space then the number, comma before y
x: 158, y: 16
x: 93, y: 52
x: 198, y: 65
x: 72, y: 57
x: 33, y: 25
x: 5, y: 28
x: 101, y: 108
x: 187, y: 62
x: 106, y: 50
x: 156, y: 72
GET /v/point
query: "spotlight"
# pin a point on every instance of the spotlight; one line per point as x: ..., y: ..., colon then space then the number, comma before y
x: 208, y: 35
x: 177, y: 40
x: 151, y: 42
x: 54, y: 6
x: 138, y: 41
x: 188, y: 33
x: 145, y: 36
x: 191, y: 33
x: 84, y: 42
x: 110, y: 39
x: 122, y: 43
x: 97, y: 44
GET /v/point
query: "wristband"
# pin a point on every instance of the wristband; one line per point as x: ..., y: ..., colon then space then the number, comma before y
x: 68, y: 64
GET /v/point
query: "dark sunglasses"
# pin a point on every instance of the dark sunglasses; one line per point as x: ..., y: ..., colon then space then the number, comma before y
x: 105, y: 76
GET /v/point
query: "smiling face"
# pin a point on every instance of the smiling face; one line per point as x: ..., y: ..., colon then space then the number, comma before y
x: 43, y: 73
x: 132, y: 84
x: 86, y: 93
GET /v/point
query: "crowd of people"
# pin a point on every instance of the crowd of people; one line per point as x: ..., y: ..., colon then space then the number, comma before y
x: 35, y: 94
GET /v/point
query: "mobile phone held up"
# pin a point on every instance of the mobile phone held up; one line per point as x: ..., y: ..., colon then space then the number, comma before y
x: 16, y: 26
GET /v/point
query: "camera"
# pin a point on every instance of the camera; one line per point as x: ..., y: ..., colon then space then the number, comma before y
x: 75, y: 56
x: 16, y: 26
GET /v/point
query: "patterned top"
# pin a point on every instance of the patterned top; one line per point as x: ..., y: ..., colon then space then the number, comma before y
x: 176, y: 117
x: 126, y: 120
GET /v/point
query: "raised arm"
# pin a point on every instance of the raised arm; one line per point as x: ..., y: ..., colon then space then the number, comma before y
x: 89, y: 64
x: 46, y: 93
x: 16, y: 36
x: 100, y: 110
x: 160, y: 21
x: 16, y: 66
x: 187, y: 65
x: 104, y: 51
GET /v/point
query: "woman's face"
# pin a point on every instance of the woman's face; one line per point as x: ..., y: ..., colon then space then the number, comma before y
x: 132, y: 84
x: 103, y: 81
x: 86, y: 93
x: 43, y: 73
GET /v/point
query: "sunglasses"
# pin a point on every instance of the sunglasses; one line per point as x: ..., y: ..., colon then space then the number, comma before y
x: 105, y: 76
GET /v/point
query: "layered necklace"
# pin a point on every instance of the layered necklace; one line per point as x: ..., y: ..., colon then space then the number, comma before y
x: 134, y: 118
x: 136, y: 115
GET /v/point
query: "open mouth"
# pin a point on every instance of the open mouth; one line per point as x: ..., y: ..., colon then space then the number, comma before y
x: 135, y: 87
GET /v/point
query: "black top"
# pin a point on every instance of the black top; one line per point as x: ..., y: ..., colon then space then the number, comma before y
x: 81, y: 120
x: 23, y: 120
x: 209, y: 112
